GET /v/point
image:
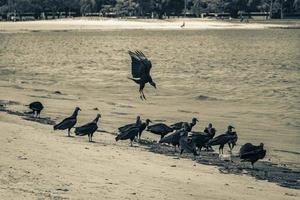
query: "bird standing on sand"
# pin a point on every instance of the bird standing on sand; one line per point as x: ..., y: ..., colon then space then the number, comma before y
x: 126, y: 127
x: 187, y: 144
x: 174, y: 138
x: 200, y: 139
x: 160, y: 129
x: 36, y: 108
x: 69, y: 122
x: 252, y: 153
x: 88, y: 129
x: 228, y: 138
x: 140, y: 70
x: 232, y: 143
x: 183, y: 25
x: 178, y: 125
x: 130, y: 133
x: 143, y: 126
x: 209, y: 131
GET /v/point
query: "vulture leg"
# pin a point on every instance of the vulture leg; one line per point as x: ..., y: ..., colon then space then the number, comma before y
x: 221, y: 148
x: 131, y: 143
x: 175, y: 149
x: 142, y: 96
x: 233, y: 144
x: 230, y: 147
x: 69, y: 129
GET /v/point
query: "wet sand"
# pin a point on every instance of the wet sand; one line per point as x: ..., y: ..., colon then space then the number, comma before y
x: 40, y: 163
x: 238, y: 77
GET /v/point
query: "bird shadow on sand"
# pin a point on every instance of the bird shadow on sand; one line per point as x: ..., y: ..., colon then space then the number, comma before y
x: 263, y: 170
x: 26, y: 115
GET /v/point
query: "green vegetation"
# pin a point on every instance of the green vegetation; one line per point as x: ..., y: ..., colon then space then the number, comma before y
x: 145, y: 8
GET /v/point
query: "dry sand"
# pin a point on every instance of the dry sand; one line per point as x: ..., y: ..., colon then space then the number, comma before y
x: 38, y: 163
x: 224, y: 81
x: 108, y: 24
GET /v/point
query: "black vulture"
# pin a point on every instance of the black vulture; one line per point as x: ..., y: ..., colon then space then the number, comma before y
x: 130, y: 133
x: 126, y: 127
x: 140, y: 70
x: 228, y: 138
x: 36, y: 108
x: 160, y: 129
x: 187, y: 144
x: 252, y: 153
x: 88, y: 129
x: 232, y: 143
x: 143, y: 126
x: 210, y: 132
x: 200, y: 139
x: 178, y: 125
x: 174, y: 138
x: 69, y: 122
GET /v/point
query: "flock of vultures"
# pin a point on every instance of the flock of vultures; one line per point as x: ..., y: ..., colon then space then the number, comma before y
x: 179, y: 134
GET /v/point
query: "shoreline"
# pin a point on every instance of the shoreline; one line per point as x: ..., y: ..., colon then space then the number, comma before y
x: 279, y: 174
x: 144, y: 24
x: 42, y: 167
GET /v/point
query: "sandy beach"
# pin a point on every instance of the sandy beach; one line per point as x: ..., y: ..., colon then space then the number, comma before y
x: 149, y: 24
x: 226, y: 73
x: 37, y: 163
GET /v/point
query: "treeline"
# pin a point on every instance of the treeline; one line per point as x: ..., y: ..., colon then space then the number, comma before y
x: 145, y: 8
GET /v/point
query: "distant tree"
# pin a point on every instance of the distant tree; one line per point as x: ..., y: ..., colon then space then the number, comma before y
x: 23, y: 6
x: 87, y: 6
x: 145, y: 6
x: 71, y: 6
x: 174, y: 7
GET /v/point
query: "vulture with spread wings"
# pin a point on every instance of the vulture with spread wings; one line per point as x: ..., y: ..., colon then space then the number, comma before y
x: 140, y: 70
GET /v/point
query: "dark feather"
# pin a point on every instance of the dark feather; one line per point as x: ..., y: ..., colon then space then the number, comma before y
x: 160, y: 129
x: 66, y: 123
x: 89, y: 128
x: 174, y: 137
x: 36, y: 106
x: 128, y: 134
x: 252, y: 153
x: 140, y: 65
x: 86, y: 129
x: 187, y: 144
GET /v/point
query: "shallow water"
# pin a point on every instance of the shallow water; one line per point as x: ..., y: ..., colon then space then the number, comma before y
x: 248, y: 78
